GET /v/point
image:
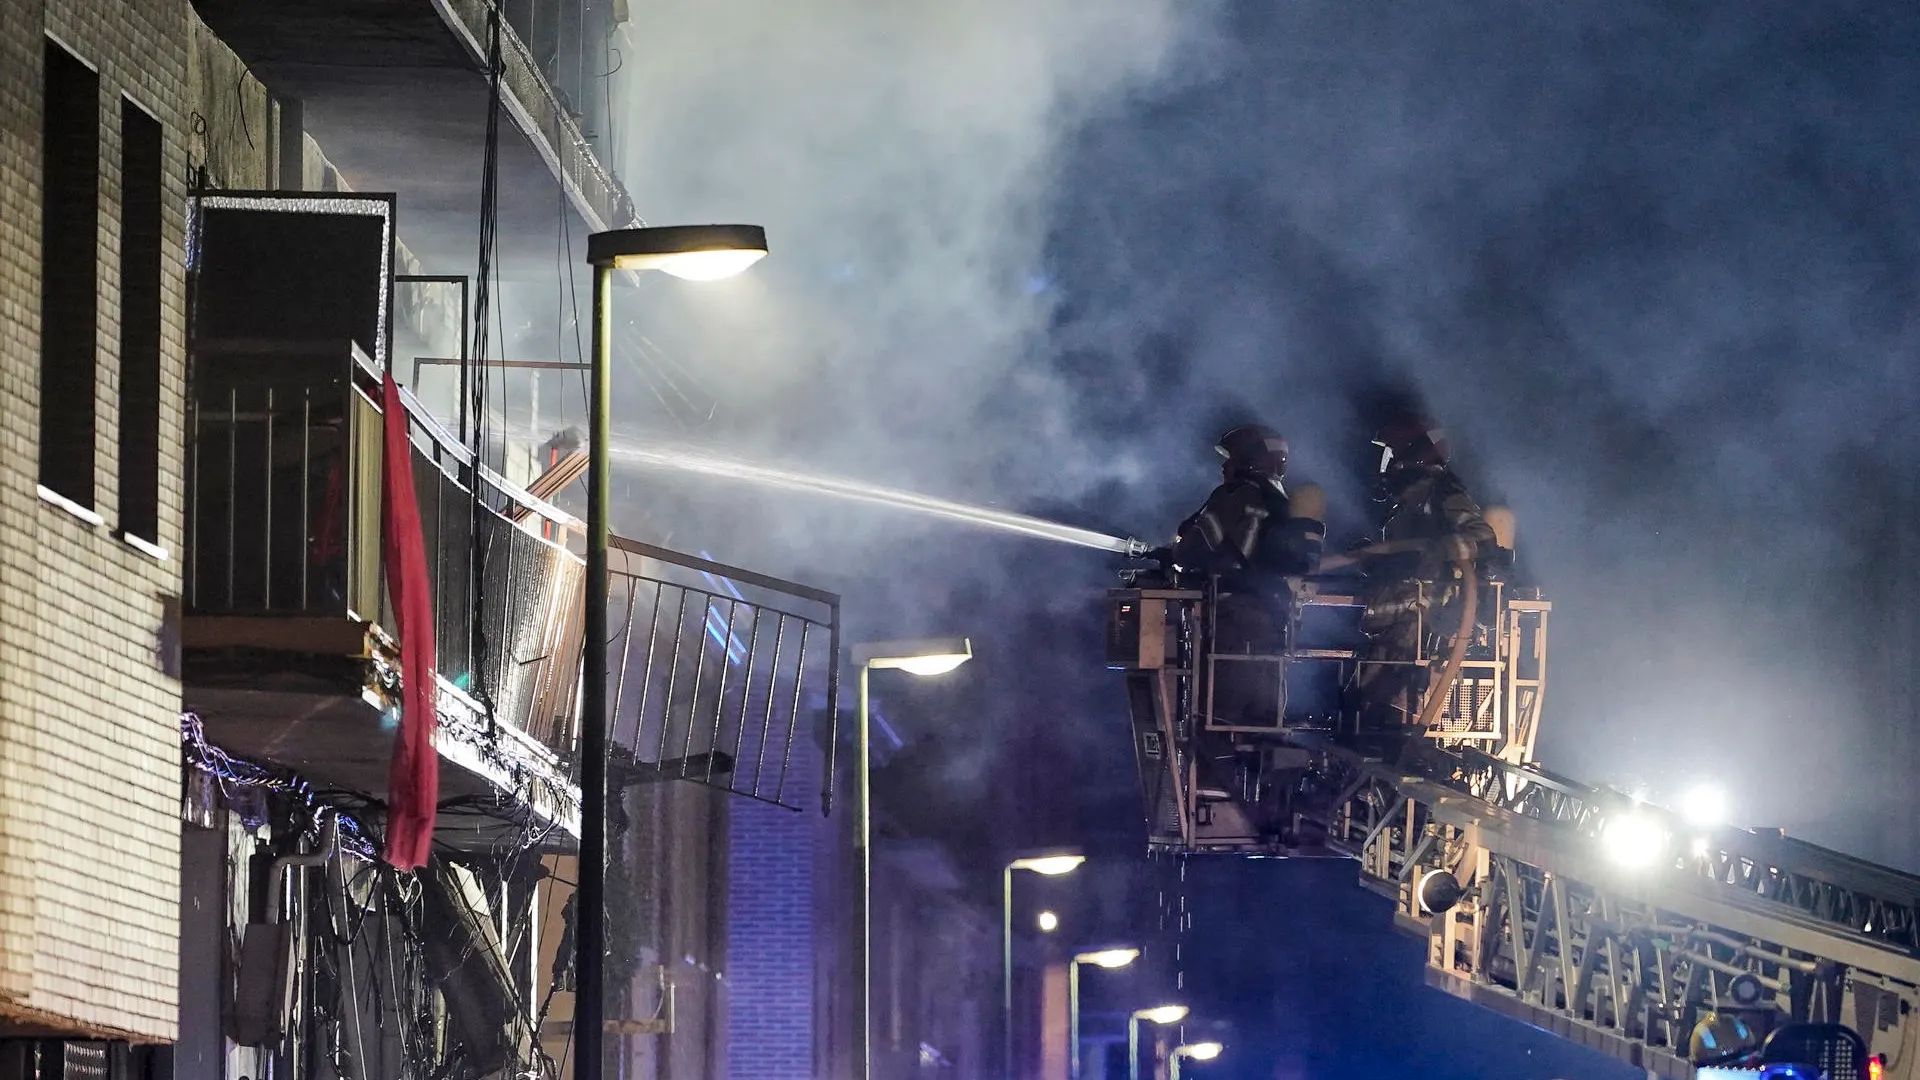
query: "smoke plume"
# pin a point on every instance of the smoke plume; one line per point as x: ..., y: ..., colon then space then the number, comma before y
x: 1650, y: 264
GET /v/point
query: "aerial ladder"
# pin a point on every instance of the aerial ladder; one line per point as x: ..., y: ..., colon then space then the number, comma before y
x: 1612, y: 923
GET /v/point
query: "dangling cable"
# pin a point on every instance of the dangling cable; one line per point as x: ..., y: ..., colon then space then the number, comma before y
x: 478, y: 397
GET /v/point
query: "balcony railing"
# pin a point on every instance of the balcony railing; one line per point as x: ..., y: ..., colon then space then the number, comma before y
x: 283, y: 490
x: 570, y: 42
x: 716, y: 671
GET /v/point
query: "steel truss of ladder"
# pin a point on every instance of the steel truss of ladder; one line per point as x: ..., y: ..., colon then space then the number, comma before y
x: 1613, y: 924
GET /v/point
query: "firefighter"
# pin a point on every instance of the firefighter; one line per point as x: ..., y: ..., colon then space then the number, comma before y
x: 1236, y: 546
x: 1433, y: 536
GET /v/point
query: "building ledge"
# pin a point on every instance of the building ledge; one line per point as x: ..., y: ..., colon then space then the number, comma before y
x: 513, y: 761
x: 20, y: 1021
x: 396, y: 92
x: 330, y: 718
x: 526, y: 95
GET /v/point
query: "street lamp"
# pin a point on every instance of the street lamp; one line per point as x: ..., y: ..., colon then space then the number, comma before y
x: 922, y: 658
x: 1205, y: 1051
x: 934, y: 656
x: 688, y: 252
x: 1048, y: 922
x: 694, y: 253
x: 1159, y: 1014
x: 1106, y: 958
x: 1046, y: 865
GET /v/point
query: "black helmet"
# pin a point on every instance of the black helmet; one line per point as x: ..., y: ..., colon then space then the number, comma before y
x: 1412, y: 439
x: 1256, y: 449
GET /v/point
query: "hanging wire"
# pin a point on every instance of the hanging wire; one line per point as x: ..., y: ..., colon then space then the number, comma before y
x: 231, y: 773
x: 566, y: 280
x: 486, y: 274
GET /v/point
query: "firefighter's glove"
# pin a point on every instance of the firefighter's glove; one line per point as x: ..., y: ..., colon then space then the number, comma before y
x: 1161, y: 575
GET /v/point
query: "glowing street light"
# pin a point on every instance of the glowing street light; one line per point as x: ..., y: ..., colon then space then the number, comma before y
x: 1704, y: 806
x: 935, y: 656
x: 1048, y: 922
x: 1046, y: 864
x: 1635, y: 840
x: 1049, y: 865
x: 688, y: 252
x: 1111, y: 959
x: 920, y: 658
x: 693, y: 253
x: 1203, y: 1051
x: 1159, y: 1014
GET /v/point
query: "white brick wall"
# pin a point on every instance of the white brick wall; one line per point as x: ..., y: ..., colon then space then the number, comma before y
x: 89, y: 745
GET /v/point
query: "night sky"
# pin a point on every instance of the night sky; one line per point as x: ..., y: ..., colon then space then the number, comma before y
x: 1653, y: 265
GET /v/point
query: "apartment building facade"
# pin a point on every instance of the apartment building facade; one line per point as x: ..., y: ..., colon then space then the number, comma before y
x: 184, y: 568
x: 176, y: 573
x: 93, y: 364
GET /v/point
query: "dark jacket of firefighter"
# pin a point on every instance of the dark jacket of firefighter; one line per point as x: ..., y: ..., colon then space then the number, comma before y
x: 1239, y: 541
x: 1437, y: 520
x: 1414, y: 584
x: 1238, y: 537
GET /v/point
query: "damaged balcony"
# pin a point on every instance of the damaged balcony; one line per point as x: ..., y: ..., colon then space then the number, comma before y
x: 290, y: 654
x: 289, y: 647
x: 289, y: 651
x: 714, y: 672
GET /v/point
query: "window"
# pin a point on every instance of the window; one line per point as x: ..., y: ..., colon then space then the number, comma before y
x: 69, y: 274
x: 140, y: 173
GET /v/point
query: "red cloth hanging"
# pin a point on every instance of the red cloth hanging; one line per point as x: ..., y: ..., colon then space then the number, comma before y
x: 413, y: 783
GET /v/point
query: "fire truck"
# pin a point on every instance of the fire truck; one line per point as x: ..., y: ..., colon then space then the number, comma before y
x: 1683, y: 949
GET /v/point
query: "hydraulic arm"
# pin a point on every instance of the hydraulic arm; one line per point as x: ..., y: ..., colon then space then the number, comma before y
x: 1572, y: 908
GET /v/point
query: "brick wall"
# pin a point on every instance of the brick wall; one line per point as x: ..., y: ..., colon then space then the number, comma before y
x: 792, y: 925
x: 89, y: 743
x: 770, y: 934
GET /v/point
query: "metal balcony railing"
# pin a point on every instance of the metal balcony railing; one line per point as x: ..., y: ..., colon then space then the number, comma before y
x: 570, y: 41
x: 284, y: 480
x: 715, y: 671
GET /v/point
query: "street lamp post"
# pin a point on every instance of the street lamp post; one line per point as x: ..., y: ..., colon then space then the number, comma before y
x: 921, y: 658
x: 1159, y: 1014
x: 693, y: 253
x: 1052, y: 865
x: 1106, y: 958
x: 1205, y: 1051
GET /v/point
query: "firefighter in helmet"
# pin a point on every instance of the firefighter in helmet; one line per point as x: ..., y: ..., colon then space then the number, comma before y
x: 1434, y: 535
x: 1237, y: 544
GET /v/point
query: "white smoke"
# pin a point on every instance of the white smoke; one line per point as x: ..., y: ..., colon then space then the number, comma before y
x: 902, y: 157
x: 1657, y: 291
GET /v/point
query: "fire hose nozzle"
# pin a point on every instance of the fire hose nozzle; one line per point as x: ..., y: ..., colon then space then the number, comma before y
x: 1138, y: 549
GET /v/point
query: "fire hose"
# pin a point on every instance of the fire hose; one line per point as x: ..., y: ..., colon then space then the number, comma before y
x: 1438, y: 693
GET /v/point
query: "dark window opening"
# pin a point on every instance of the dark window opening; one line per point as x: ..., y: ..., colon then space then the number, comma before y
x: 69, y: 274
x: 140, y: 223
x: 167, y: 643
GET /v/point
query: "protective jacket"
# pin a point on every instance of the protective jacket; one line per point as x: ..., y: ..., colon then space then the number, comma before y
x: 1236, y: 536
x: 1433, y: 514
